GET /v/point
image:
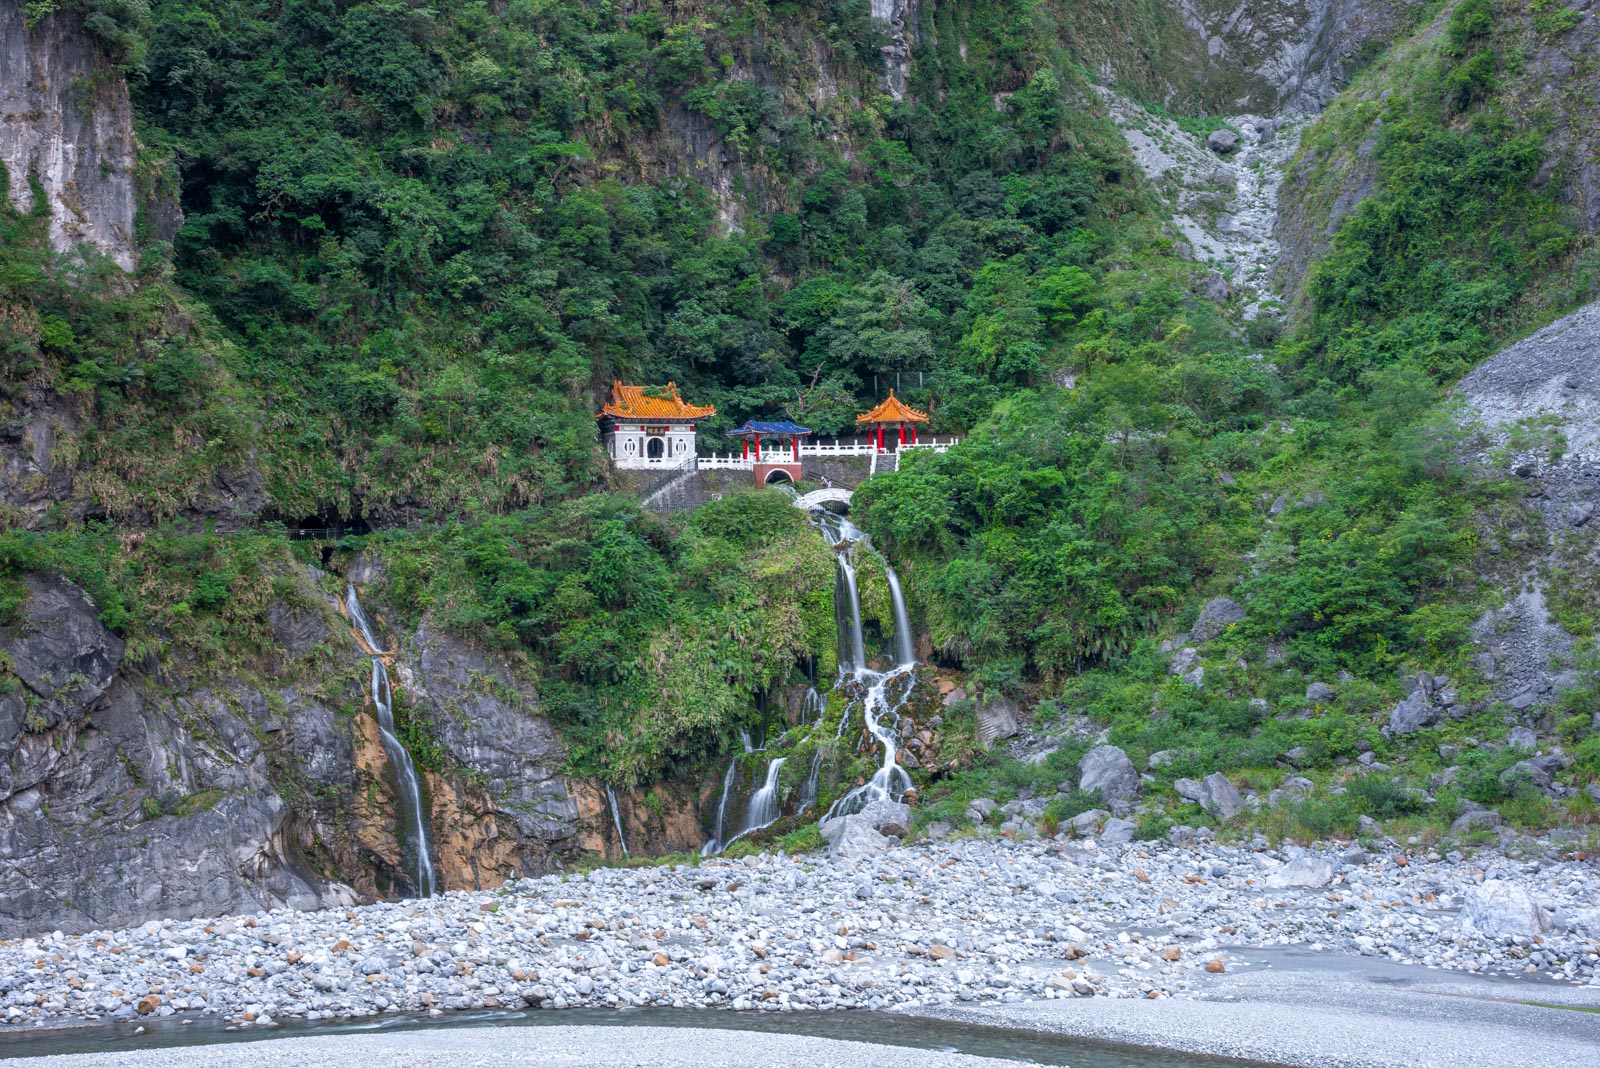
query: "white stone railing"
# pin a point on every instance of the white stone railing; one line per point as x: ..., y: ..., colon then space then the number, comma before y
x: 932, y: 443
x: 785, y: 453
x: 727, y: 463
x: 649, y: 463
x: 838, y: 447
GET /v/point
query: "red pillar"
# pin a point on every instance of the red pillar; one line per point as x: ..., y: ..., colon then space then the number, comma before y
x: 758, y: 448
x: 880, y: 437
x: 913, y: 435
x: 795, y: 441
x: 746, y: 447
x: 902, y: 435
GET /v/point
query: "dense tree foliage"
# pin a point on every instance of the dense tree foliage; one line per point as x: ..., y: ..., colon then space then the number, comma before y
x: 420, y: 240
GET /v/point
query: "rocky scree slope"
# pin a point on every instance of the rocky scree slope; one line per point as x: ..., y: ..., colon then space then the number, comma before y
x: 1539, y: 401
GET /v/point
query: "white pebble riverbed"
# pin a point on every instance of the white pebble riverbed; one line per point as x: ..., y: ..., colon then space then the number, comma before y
x: 965, y: 921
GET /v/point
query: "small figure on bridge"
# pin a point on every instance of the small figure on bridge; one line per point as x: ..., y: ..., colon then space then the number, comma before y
x: 827, y: 483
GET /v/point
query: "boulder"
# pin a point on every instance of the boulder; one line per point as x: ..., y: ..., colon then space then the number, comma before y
x: 1413, y: 714
x: 1320, y: 693
x: 997, y: 719
x: 1523, y: 738
x: 1468, y: 822
x: 1184, y: 660
x: 1084, y: 823
x: 1217, y: 616
x: 1305, y: 871
x: 1117, y: 830
x: 1160, y: 759
x: 856, y: 838
x: 1195, y: 677
x: 887, y: 817
x: 1293, y: 788
x: 1214, y: 793
x: 1497, y: 909
x: 1107, y: 769
x: 1222, y: 142
x: 1531, y: 772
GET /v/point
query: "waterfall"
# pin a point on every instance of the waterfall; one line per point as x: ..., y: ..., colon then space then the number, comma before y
x: 764, y: 805
x: 885, y: 692
x: 616, y: 818
x: 808, y: 792
x: 812, y: 708
x: 411, y: 828
x: 904, y: 655
x: 879, y: 694
x: 715, y: 843
x: 843, y: 535
x: 762, y: 812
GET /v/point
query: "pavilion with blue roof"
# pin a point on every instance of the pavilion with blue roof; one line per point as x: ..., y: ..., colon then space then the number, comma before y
x: 759, y: 430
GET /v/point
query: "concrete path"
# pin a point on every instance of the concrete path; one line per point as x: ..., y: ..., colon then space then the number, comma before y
x: 1329, y: 1011
x: 535, y: 1047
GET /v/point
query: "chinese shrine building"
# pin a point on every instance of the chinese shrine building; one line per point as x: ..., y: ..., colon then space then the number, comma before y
x: 896, y: 413
x: 780, y: 462
x: 643, y: 427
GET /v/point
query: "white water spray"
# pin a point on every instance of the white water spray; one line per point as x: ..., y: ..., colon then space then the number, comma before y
x: 812, y: 708
x: 715, y: 843
x: 616, y: 818
x: 885, y: 692
x: 764, y: 805
x: 808, y: 792
x: 413, y: 827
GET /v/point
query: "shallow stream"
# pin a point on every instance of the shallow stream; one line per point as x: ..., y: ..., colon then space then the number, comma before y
x: 885, y: 1028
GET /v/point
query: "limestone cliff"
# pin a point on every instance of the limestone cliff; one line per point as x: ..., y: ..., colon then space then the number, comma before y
x: 66, y: 134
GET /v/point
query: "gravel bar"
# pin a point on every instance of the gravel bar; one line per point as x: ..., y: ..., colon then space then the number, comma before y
x: 970, y: 921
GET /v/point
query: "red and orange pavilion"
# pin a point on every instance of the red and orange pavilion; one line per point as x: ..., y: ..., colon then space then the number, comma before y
x: 893, y: 412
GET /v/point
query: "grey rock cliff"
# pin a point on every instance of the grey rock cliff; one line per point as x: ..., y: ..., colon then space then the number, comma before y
x: 65, y: 123
x: 489, y: 721
x: 115, y: 808
x: 137, y: 791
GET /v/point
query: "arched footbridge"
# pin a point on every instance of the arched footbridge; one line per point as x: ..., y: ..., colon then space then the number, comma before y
x: 817, y: 498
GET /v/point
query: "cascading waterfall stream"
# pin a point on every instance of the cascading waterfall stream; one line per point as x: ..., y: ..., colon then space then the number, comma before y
x: 717, y: 841
x: 616, y: 818
x: 885, y: 691
x: 764, y: 805
x: 879, y: 694
x: 808, y: 792
x: 812, y: 708
x: 412, y: 827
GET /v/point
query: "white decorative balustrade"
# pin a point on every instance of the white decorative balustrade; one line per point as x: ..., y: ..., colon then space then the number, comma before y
x: 727, y: 463
x: 671, y: 468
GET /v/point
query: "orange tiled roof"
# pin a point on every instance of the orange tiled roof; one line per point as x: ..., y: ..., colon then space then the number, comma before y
x: 631, y: 402
x: 893, y: 410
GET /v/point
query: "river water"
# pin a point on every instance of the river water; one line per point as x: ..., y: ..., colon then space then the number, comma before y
x: 884, y: 1028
